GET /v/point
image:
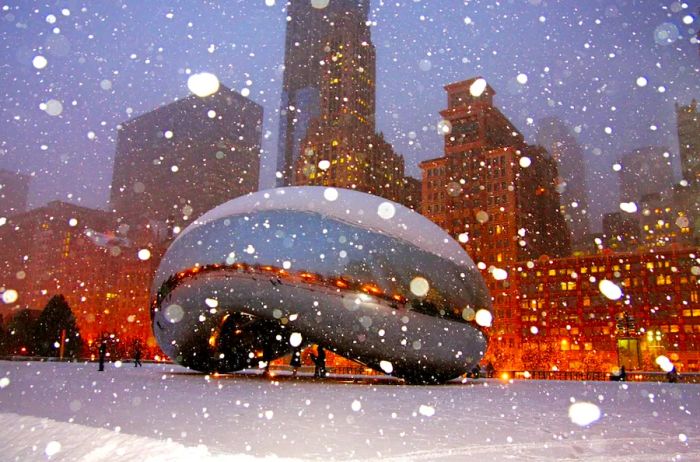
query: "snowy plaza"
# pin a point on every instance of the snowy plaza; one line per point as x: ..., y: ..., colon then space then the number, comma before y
x: 70, y: 411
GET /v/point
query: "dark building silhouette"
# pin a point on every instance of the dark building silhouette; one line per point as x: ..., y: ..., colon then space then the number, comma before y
x: 645, y: 171
x: 688, y: 119
x: 411, y: 195
x: 14, y: 192
x: 308, y: 31
x: 177, y: 162
x: 556, y: 137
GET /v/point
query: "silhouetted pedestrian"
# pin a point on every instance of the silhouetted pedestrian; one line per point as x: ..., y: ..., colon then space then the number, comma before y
x: 490, y: 370
x: 320, y: 362
x: 103, y: 354
x: 672, y: 375
x: 137, y: 355
x: 475, y: 372
x: 295, y: 361
x: 619, y: 375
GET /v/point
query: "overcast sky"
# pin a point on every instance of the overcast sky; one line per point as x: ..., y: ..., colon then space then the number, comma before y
x: 110, y: 61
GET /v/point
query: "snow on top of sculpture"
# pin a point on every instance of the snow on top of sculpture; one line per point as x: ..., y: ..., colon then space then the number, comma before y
x: 352, y: 207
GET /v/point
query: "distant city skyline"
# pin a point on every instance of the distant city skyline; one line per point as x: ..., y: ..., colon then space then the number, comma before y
x: 613, y: 72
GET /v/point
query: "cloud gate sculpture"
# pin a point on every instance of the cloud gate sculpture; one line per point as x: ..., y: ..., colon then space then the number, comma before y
x: 366, y: 278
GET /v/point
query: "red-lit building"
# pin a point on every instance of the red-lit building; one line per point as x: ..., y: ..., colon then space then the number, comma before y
x: 565, y: 321
x: 66, y: 249
x: 494, y: 193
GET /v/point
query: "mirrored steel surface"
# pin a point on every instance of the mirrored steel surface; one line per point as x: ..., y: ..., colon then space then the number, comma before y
x: 364, y: 277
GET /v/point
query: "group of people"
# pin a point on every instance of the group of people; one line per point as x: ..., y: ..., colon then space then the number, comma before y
x: 102, y: 355
x: 477, y: 371
x: 621, y: 376
x: 319, y: 360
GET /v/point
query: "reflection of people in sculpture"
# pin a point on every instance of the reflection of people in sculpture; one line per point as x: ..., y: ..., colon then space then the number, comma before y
x: 295, y: 362
x: 320, y: 362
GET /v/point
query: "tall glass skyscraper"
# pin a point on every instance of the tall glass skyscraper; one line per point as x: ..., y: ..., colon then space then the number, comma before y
x: 308, y: 29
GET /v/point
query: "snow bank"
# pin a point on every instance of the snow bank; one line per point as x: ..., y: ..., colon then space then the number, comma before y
x: 160, y: 412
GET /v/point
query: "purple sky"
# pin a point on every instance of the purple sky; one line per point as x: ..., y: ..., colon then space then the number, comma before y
x: 110, y: 61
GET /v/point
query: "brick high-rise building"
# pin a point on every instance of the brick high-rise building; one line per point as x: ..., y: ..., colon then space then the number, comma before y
x: 14, y: 192
x: 177, y: 162
x: 494, y: 193
x: 557, y: 138
x: 341, y: 147
x: 491, y: 190
x: 308, y: 31
x: 688, y: 119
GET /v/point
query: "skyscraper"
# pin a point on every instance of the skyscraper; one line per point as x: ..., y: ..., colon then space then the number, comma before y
x: 180, y: 160
x: 556, y: 137
x: 306, y: 40
x: 496, y: 195
x: 688, y: 119
x: 341, y: 147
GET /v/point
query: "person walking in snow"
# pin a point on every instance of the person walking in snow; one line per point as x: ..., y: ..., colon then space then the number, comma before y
x: 320, y: 362
x: 103, y: 354
x: 137, y: 354
x: 490, y: 370
x: 623, y: 374
x: 672, y: 375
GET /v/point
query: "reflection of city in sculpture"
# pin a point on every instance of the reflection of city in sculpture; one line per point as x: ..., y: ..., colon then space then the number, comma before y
x: 366, y: 278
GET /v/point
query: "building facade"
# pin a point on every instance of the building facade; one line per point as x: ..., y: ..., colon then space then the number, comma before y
x: 566, y: 322
x: 620, y: 232
x: 492, y: 191
x: 177, y: 162
x: 66, y: 249
x: 645, y: 171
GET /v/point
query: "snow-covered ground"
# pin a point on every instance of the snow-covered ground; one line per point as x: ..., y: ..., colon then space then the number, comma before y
x: 68, y: 412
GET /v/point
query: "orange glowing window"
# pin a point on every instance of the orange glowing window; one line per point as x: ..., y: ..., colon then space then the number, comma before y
x: 309, y: 277
x: 371, y: 289
x: 342, y: 283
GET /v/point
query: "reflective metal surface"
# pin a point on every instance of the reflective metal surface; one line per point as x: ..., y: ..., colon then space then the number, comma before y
x: 366, y: 278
